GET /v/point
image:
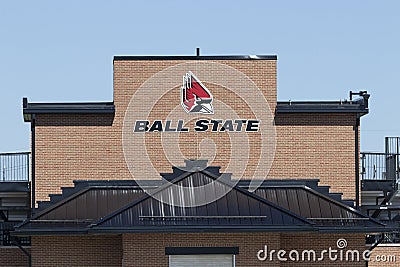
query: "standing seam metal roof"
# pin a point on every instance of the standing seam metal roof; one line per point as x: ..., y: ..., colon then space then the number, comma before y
x: 127, y: 208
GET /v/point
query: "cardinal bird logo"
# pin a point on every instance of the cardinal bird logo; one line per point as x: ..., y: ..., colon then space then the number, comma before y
x: 195, y: 97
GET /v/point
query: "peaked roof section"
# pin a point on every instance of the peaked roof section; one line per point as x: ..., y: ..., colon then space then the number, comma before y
x: 236, y: 210
x: 123, y: 206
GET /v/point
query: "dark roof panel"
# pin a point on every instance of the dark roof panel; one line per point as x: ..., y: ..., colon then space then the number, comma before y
x: 83, y: 208
x: 245, y: 210
x: 316, y: 207
x: 93, y: 203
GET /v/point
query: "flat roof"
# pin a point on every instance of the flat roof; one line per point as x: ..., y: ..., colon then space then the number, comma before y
x: 224, y: 57
x: 109, y: 107
x: 66, y: 108
x: 357, y: 106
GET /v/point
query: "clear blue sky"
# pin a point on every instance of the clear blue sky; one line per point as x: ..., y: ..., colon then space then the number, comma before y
x: 63, y: 50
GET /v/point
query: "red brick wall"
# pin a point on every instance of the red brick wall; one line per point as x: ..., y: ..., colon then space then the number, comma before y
x: 76, y: 251
x: 13, y: 257
x: 73, y: 147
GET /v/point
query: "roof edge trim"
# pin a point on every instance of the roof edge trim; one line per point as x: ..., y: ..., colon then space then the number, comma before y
x: 359, y: 107
x: 28, y: 109
x: 201, y: 250
x: 222, y: 57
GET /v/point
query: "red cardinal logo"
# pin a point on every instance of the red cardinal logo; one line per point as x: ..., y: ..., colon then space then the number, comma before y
x: 195, y: 97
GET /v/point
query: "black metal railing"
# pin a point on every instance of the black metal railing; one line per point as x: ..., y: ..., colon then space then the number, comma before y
x: 384, y: 238
x: 392, y: 145
x: 14, y: 166
x: 6, y: 239
x: 379, y: 166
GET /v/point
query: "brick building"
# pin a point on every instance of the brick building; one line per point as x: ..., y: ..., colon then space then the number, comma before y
x: 208, y: 170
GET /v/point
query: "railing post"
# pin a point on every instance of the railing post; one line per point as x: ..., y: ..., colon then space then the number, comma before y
x: 362, y: 166
x: 386, y: 145
x: 396, y: 166
x: 27, y: 164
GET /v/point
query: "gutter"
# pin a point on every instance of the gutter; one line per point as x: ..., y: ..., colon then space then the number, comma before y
x: 364, y: 104
x: 32, y: 119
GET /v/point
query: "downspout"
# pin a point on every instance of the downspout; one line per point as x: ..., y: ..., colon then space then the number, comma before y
x: 364, y: 105
x: 374, y: 246
x: 357, y: 160
x: 33, y: 188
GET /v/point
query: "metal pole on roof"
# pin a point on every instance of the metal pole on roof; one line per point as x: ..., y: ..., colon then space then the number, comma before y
x: 357, y: 163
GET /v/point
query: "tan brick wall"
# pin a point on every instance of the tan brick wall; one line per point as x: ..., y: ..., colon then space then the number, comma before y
x: 149, y: 249
x: 388, y: 256
x: 13, y: 257
x: 76, y: 251
x: 316, y: 146
x: 80, y: 147
x: 153, y: 246
x: 76, y: 147
x: 319, y: 242
x: 130, y: 75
